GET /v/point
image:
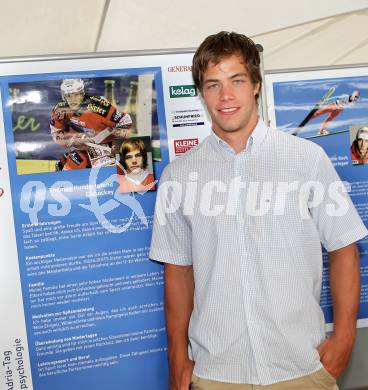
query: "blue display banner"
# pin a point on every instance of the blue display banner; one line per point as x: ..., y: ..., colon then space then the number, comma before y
x: 93, y: 301
x: 330, y: 109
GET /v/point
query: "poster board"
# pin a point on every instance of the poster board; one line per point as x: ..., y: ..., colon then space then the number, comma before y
x: 291, y: 95
x: 81, y: 303
x: 328, y: 106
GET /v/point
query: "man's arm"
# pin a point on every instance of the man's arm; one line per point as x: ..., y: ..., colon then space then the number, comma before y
x: 179, y: 294
x: 345, y: 290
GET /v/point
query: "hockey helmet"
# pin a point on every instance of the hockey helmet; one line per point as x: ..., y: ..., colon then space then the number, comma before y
x: 69, y: 86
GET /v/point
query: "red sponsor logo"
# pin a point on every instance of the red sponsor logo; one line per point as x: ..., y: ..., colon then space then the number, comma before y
x: 183, y: 145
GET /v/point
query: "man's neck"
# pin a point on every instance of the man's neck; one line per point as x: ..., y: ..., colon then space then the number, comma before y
x: 238, y: 140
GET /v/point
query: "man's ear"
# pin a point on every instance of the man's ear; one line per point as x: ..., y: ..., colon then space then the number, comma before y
x: 257, y: 88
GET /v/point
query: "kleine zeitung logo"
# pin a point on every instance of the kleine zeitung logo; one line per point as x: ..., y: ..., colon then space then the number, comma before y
x: 181, y: 146
x: 179, y: 91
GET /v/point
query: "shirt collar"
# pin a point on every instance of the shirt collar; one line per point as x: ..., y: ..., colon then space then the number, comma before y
x: 253, y: 143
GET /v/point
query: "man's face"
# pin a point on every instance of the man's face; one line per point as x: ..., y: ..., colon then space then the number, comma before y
x: 229, y: 95
x: 134, y: 161
x: 74, y: 100
x: 362, y: 146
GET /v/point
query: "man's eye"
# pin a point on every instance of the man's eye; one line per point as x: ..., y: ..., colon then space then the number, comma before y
x: 238, y: 81
x: 212, y: 86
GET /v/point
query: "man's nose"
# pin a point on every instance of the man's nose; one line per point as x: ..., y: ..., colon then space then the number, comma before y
x: 226, y: 92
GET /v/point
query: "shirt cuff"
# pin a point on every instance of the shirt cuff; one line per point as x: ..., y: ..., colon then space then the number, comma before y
x: 163, y: 256
x: 346, y: 239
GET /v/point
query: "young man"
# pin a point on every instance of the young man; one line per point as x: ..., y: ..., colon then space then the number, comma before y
x: 239, y: 223
x: 132, y: 169
x: 359, y: 148
x: 80, y: 121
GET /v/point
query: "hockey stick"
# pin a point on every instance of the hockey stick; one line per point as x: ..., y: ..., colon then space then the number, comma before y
x: 97, y: 146
x: 313, y: 110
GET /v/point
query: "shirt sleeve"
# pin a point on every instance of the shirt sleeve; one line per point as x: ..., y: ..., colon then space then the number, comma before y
x: 336, y: 219
x: 172, y: 234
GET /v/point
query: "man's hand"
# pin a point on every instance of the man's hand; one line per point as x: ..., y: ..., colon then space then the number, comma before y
x: 345, y: 290
x: 180, y: 374
x: 335, y: 353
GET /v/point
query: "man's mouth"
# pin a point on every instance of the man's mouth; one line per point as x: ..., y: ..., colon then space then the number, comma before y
x: 228, y: 110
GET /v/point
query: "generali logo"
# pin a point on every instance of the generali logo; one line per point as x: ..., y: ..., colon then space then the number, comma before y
x: 181, y: 146
x: 179, y: 91
x: 179, y: 68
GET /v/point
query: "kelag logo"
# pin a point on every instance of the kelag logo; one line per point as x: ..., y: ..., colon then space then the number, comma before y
x: 178, y: 91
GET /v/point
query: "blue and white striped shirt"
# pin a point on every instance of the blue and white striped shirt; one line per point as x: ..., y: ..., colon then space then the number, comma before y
x: 257, y: 260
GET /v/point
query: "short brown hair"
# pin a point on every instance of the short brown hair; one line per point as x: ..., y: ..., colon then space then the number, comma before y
x: 128, y: 146
x: 218, y: 46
